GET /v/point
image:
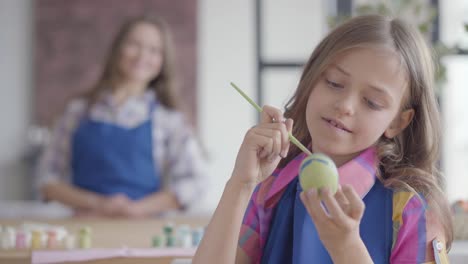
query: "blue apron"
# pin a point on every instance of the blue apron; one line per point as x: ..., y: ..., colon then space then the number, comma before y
x: 109, y: 159
x: 293, y: 238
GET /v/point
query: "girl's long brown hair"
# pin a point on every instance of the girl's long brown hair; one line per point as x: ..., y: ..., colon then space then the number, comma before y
x: 409, y: 161
x: 163, y: 84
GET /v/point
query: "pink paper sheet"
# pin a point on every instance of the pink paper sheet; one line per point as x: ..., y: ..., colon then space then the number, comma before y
x: 57, y: 256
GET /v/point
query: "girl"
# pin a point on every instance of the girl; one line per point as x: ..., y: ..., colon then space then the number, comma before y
x: 125, y: 149
x: 365, y: 99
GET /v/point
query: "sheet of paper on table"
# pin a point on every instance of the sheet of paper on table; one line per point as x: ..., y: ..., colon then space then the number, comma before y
x: 58, y: 256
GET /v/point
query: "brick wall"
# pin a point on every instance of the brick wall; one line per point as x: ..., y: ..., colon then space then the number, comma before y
x: 73, y: 37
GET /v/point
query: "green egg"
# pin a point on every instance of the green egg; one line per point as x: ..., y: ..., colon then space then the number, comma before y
x: 317, y: 171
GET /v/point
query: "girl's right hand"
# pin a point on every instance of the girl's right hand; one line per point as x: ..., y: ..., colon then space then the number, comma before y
x: 263, y: 147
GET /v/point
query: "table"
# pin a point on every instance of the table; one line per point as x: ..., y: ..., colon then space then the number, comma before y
x: 110, y: 235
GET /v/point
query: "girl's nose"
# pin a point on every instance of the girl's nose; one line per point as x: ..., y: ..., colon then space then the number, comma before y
x: 345, y: 105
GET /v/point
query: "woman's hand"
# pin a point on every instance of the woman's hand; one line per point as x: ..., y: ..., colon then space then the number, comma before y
x: 263, y: 147
x: 338, y: 228
x: 117, y: 205
x: 134, y: 210
x: 120, y: 205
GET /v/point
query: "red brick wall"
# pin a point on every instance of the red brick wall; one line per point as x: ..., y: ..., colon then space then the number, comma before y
x: 73, y: 36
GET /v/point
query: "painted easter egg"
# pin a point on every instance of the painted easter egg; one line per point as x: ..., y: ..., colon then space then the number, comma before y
x: 317, y: 171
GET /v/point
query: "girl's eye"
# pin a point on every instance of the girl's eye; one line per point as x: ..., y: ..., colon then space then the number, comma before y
x: 372, y: 104
x: 333, y: 84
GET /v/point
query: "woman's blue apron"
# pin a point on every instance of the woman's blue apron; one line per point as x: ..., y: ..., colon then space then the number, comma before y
x: 109, y: 159
x: 293, y: 238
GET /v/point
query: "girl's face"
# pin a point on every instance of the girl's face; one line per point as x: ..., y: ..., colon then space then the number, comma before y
x: 141, y: 54
x: 356, y: 101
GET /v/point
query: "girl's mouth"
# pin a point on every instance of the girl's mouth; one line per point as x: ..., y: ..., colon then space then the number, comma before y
x: 337, y: 124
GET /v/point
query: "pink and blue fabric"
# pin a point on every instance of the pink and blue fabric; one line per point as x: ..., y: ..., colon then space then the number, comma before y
x: 397, y: 226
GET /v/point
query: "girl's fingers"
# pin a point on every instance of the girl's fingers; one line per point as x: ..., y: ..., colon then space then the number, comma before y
x: 341, y: 199
x: 356, y: 205
x: 275, y: 137
x: 274, y: 115
x: 277, y: 143
x: 265, y: 145
x: 334, y: 209
x: 271, y: 114
x: 289, y: 126
x: 279, y: 132
x: 259, y: 143
x: 272, y: 118
x: 311, y: 201
x: 263, y: 153
x: 285, y: 127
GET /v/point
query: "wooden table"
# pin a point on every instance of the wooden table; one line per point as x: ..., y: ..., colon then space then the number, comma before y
x: 108, y: 234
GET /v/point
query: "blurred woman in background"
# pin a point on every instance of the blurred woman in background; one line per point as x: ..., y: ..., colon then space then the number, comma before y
x: 125, y: 149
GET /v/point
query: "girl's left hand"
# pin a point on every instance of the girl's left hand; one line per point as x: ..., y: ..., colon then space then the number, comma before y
x: 338, y: 228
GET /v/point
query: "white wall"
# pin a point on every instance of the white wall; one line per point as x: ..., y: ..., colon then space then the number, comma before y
x: 454, y: 97
x: 454, y: 14
x: 15, y: 94
x: 292, y: 28
x: 455, y: 124
x: 227, y: 53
